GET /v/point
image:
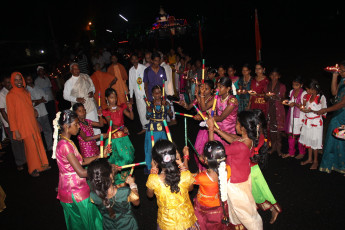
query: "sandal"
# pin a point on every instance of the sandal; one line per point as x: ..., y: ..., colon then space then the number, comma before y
x: 35, y: 173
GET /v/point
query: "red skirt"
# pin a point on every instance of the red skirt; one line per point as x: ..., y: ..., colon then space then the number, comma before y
x: 210, y: 217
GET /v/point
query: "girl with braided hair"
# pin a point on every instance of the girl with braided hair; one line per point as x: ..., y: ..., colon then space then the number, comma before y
x: 73, y: 190
x: 262, y: 194
x: 171, y: 187
x: 242, y: 206
x: 210, y: 204
x: 113, y: 202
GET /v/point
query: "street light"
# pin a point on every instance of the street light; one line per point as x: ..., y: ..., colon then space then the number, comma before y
x: 123, y: 18
x: 109, y: 31
x: 90, y: 23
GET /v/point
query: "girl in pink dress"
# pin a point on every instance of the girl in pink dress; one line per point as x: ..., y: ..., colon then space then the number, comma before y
x: 226, y: 108
x: 87, y: 140
x: 73, y: 190
x: 258, y: 86
x: 202, y: 136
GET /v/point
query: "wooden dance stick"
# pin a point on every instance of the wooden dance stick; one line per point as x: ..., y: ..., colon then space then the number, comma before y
x: 214, y: 103
x: 102, y: 146
x: 109, y: 136
x: 183, y: 114
x: 152, y: 139
x: 131, y: 172
x: 114, y: 131
x: 132, y: 165
x: 167, y: 130
x: 196, y: 152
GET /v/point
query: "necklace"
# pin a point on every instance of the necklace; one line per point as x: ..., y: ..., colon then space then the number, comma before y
x: 208, y: 99
x: 71, y: 142
x: 224, y: 99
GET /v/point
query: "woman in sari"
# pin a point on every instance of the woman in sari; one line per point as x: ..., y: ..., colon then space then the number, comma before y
x: 258, y: 86
x: 334, y: 150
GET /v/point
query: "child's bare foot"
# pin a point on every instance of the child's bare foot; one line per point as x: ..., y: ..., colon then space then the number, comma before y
x: 275, y: 214
x: 299, y: 156
x: 314, y: 166
x: 286, y: 155
x: 306, y: 162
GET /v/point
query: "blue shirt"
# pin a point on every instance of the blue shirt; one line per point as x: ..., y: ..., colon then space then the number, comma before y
x: 153, y: 79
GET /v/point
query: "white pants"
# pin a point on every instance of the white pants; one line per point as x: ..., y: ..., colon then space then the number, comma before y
x: 93, y: 116
x: 141, y: 107
x: 242, y: 206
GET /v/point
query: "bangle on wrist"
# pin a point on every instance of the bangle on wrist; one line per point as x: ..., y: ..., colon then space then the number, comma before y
x: 186, y: 157
x: 133, y: 186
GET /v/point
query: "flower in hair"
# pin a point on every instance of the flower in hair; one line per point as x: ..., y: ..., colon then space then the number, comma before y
x: 167, y: 158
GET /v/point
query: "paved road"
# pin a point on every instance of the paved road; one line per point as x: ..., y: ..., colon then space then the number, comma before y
x: 309, y: 199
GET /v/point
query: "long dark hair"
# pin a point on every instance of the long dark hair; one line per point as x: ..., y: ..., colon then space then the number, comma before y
x: 214, y: 151
x: 164, y: 153
x: 226, y: 81
x: 99, y: 172
x: 253, y: 122
x: 261, y: 157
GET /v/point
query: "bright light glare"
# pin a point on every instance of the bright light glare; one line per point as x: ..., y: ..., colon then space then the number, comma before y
x: 109, y: 31
x: 123, y: 18
x: 42, y: 51
x: 90, y: 23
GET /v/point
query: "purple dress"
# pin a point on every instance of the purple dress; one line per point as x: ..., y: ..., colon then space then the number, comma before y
x: 201, y: 138
x: 87, y: 148
x: 229, y: 123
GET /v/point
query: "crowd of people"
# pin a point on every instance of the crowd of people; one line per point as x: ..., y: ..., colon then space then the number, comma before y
x: 242, y: 120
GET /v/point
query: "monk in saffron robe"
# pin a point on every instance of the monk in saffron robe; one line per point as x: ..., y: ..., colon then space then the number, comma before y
x: 102, y: 81
x: 23, y: 124
x: 118, y: 70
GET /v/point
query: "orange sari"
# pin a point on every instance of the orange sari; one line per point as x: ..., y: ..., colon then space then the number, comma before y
x: 101, y: 81
x: 21, y: 118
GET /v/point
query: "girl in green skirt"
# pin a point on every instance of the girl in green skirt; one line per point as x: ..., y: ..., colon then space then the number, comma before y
x: 122, y: 148
x: 262, y: 194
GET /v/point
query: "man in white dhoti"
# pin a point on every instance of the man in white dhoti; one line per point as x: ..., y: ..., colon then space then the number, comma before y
x: 80, y: 88
x: 136, y: 86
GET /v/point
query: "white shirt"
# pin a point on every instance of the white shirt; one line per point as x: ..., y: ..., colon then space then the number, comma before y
x: 169, y: 87
x: 45, y: 85
x: 36, y: 94
x: 134, y: 74
x: 69, y: 86
x: 3, y: 94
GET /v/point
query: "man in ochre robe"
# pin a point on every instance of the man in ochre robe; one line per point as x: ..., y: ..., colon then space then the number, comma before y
x: 23, y: 124
x: 118, y: 70
x: 102, y: 81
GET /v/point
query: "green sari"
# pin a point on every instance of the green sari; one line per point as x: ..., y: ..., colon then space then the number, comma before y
x: 334, y: 151
x: 124, y: 217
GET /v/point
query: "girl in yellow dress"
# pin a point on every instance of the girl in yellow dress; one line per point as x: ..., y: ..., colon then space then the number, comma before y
x: 171, y: 187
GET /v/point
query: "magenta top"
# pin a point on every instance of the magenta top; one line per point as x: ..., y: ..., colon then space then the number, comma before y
x: 229, y: 123
x: 69, y: 181
x: 87, y: 148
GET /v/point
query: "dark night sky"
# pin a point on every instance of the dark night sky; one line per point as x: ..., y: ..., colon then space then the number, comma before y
x: 286, y: 26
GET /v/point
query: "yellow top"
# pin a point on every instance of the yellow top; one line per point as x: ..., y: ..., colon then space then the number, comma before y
x: 175, y: 210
